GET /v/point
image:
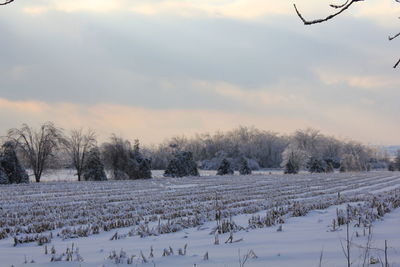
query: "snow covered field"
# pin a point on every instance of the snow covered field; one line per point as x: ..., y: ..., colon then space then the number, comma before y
x: 166, y: 214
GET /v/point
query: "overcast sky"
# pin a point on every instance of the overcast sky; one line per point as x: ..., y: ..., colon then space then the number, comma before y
x: 150, y: 69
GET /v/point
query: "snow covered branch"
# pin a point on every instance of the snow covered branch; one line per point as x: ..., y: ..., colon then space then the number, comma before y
x: 341, y: 8
x: 6, y: 2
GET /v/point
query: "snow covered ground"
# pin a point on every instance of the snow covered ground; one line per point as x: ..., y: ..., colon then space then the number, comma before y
x: 170, y: 213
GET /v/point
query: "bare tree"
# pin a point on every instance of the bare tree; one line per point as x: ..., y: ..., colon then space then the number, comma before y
x: 78, y: 145
x: 6, y: 2
x: 339, y: 9
x: 37, y: 146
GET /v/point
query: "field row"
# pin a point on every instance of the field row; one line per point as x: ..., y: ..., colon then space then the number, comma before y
x: 74, y: 209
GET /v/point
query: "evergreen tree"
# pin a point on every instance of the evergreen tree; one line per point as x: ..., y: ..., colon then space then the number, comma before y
x: 392, y: 167
x: 139, y: 167
x: 93, y: 169
x: 144, y: 168
x: 225, y: 167
x: 397, y: 161
x: 10, y: 164
x: 291, y: 167
x: 182, y: 165
x: 316, y: 165
x: 244, y: 168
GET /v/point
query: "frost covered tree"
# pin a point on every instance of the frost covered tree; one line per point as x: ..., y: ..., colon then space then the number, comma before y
x: 294, y: 159
x: 244, y: 168
x: 356, y: 157
x: 37, y: 146
x: 182, y: 165
x: 308, y: 140
x: 261, y: 148
x: 225, y: 167
x: 11, y: 166
x: 77, y: 145
x: 350, y: 163
x: 93, y: 168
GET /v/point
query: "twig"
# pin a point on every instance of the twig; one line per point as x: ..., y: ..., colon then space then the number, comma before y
x: 394, y: 36
x: 343, y: 8
x: 339, y: 6
x: 397, y: 63
x: 6, y: 2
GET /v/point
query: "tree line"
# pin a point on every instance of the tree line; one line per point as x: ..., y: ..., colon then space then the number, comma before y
x: 51, y: 147
x: 243, y: 149
x: 304, y: 149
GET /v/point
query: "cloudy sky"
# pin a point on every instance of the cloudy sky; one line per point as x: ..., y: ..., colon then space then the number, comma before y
x: 150, y: 69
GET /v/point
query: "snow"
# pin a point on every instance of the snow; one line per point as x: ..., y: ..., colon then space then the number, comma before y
x: 299, y: 244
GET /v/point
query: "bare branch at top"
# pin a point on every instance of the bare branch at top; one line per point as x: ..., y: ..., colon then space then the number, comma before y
x: 341, y: 8
x: 6, y: 2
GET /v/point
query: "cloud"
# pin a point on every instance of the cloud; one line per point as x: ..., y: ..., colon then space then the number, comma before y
x: 154, y: 68
x: 252, y: 97
x: 383, y: 12
x: 35, y: 10
x: 362, y: 124
x: 372, y: 82
x: 240, y: 9
x: 23, y: 107
x: 72, y: 6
